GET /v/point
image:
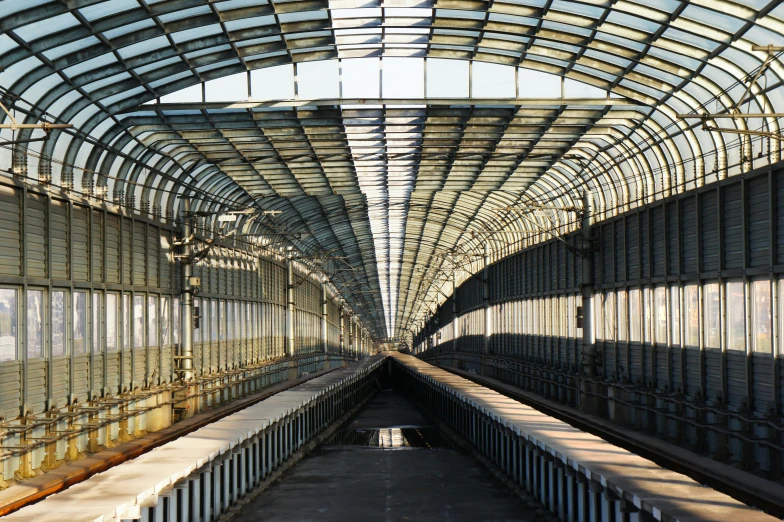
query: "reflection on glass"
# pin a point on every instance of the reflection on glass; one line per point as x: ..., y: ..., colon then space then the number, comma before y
x: 623, y: 315
x: 675, y: 315
x: 152, y: 320
x: 111, y: 322
x: 736, y: 316
x: 58, y: 323
x: 164, y: 321
x: 213, y: 320
x: 635, y: 317
x: 126, y: 321
x: 138, y: 321
x: 609, y: 316
x: 35, y: 324
x: 96, y: 322
x: 598, y: 315
x: 691, y: 299
x: 711, y: 314
x: 660, y: 314
x: 79, y: 322
x: 8, y: 315
x: 762, y: 317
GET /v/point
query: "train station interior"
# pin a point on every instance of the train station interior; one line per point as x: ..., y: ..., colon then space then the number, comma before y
x: 390, y: 260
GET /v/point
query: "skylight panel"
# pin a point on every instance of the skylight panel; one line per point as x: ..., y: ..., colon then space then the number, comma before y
x: 46, y: 27
x: 108, y: 8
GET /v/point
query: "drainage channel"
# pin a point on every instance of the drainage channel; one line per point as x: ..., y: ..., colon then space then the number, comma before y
x: 388, y: 463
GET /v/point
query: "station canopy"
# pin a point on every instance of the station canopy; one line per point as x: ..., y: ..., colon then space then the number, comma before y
x: 390, y: 143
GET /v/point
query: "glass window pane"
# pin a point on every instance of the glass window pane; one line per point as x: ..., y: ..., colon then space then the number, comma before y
x: 675, y: 315
x: 222, y: 321
x: 230, y: 324
x: 609, y: 316
x: 598, y: 322
x: 176, y: 319
x: 660, y: 315
x: 138, y: 321
x: 165, y: 321
x: 214, y: 320
x: 196, y: 320
x: 736, y: 316
x: 761, y: 317
x: 96, y: 322
x: 711, y: 315
x: 79, y: 322
x: 152, y: 320
x: 8, y: 317
x: 35, y: 324
x: 634, y: 316
x: 58, y: 323
x: 126, y: 326
x: 111, y: 322
x: 623, y: 314
x: 691, y: 300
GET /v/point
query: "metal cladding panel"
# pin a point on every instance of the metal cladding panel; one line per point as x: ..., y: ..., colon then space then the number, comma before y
x: 213, y: 357
x: 36, y: 385
x: 10, y: 389
x: 709, y: 232
x: 713, y: 373
x: 153, y: 261
x: 96, y: 245
x: 113, y: 372
x: 166, y: 364
x: 649, y: 363
x: 540, y: 269
x: 689, y: 242
x: 139, y: 366
x: 127, y: 247
x: 58, y: 220
x: 97, y: 374
x: 563, y: 267
x: 81, y: 374
x: 635, y: 370
x: 645, y: 242
x: 81, y: 243
x: 732, y: 226
x: 693, y: 365
x: 662, y: 369
x: 126, y: 368
x: 60, y: 379
x: 633, y: 246
x: 35, y: 236
x: 658, y: 245
x: 759, y: 221
x: 552, y: 265
x: 139, y: 254
x: 10, y: 230
x: 762, y: 379
x: 608, y: 269
x: 569, y: 260
x: 673, y: 236
x: 676, y: 352
x: 153, y: 368
x: 737, y: 391
x: 166, y: 260
x: 609, y: 360
x: 112, y: 261
x: 620, y: 249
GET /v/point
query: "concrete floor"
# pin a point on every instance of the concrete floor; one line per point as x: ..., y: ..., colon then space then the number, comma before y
x: 355, y: 483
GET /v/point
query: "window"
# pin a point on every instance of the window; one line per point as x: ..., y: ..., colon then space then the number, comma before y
x: 196, y: 320
x: 96, y: 322
x: 660, y: 314
x: 229, y: 319
x: 138, y: 321
x: 214, y: 320
x: 165, y: 325
x: 111, y: 322
x: 691, y: 300
x: 239, y: 320
x: 609, y: 316
x: 675, y: 315
x: 176, y: 319
x: 58, y: 323
x: 761, y: 317
x: 8, y: 322
x: 711, y: 315
x: 736, y: 316
x: 635, y: 316
x: 126, y: 322
x: 597, y: 304
x: 35, y: 324
x: 152, y: 320
x: 623, y: 314
x: 79, y: 322
x: 222, y: 321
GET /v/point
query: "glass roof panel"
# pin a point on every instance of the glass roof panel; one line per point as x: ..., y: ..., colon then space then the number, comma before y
x: 46, y: 27
x: 107, y: 8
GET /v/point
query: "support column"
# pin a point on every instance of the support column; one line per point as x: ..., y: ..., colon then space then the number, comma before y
x: 589, y: 346
x: 186, y: 299
x: 324, y: 316
x: 289, y: 306
x: 486, y: 299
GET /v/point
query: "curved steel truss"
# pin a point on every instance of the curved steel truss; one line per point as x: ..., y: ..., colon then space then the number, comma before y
x: 393, y: 188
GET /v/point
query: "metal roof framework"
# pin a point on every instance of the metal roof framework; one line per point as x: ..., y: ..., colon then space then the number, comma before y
x: 394, y: 185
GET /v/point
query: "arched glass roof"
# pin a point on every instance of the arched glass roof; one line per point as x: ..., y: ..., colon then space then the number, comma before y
x: 392, y: 187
